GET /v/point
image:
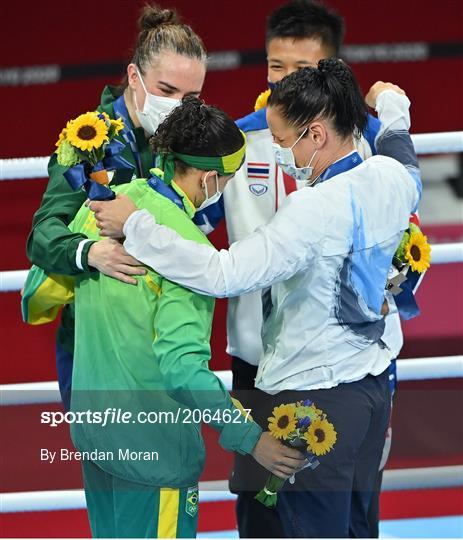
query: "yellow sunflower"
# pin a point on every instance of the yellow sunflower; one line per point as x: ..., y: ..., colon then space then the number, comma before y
x: 283, y: 421
x: 261, y: 100
x: 87, y: 131
x: 61, y: 138
x: 117, y: 125
x: 418, y: 252
x: 321, y: 437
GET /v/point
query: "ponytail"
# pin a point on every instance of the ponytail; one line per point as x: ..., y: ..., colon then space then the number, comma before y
x: 329, y: 91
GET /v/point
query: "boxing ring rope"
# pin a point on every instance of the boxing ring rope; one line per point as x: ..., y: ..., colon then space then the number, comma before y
x: 407, y: 370
x: 425, y: 143
x: 412, y: 369
x: 217, y: 491
x: 438, y: 143
x: 74, y: 499
x: 13, y: 280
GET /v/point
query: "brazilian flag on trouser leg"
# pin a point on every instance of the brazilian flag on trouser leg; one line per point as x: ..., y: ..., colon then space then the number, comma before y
x: 119, y: 508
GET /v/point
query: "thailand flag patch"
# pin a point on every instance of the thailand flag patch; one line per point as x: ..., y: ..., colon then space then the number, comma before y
x: 258, y: 170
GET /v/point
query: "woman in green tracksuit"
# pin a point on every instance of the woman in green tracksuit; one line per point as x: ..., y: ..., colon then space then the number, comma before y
x: 144, y: 351
x: 169, y: 62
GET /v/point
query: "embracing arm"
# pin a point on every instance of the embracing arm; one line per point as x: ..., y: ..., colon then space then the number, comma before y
x: 56, y: 249
x: 271, y: 254
x: 393, y: 139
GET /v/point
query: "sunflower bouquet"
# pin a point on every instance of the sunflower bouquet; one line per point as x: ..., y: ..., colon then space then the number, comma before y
x: 411, y: 259
x: 413, y: 252
x: 302, y: 426
x: 84, y: 145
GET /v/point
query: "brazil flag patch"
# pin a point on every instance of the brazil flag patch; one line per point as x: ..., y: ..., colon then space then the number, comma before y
x: 192, y: 501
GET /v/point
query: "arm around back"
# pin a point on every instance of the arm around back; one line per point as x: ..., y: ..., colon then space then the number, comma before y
x: 272, y: 253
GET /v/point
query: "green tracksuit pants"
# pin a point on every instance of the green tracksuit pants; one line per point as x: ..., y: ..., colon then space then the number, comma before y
x: 118, y: 508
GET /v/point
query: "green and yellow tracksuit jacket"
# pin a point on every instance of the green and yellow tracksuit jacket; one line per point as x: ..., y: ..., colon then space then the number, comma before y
x: 51, y: 245
x: 143, y: 349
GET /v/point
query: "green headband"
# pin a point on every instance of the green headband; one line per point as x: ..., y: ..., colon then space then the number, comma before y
x: 223, y: 165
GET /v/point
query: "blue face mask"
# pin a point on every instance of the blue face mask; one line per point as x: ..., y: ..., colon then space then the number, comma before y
x: 271, y: 85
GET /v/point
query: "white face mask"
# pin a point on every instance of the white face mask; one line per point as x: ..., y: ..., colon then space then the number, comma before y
x: 286, y: 161
x: 208, y: 201
x: 155, y: 110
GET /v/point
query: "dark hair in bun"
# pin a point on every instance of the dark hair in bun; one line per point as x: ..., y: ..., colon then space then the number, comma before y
x: 152, y: 16
x: 161, y: 30
x: 328, y: 91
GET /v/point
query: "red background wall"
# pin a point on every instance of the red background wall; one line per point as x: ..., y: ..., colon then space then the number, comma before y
x: 68, y: 32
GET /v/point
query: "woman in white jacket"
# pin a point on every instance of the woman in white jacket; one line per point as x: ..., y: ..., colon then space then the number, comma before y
x: 326, y: 255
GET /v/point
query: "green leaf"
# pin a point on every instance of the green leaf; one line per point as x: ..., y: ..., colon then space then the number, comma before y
x: 67, y: 155
x: 400, y: 251
x: 414, y: 228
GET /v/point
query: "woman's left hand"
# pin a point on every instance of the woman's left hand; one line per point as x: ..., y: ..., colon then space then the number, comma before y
x: 379, y: 87
x: 111, y: 215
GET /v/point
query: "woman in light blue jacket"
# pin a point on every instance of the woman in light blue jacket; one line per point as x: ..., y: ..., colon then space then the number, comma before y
x: 326, y: 255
